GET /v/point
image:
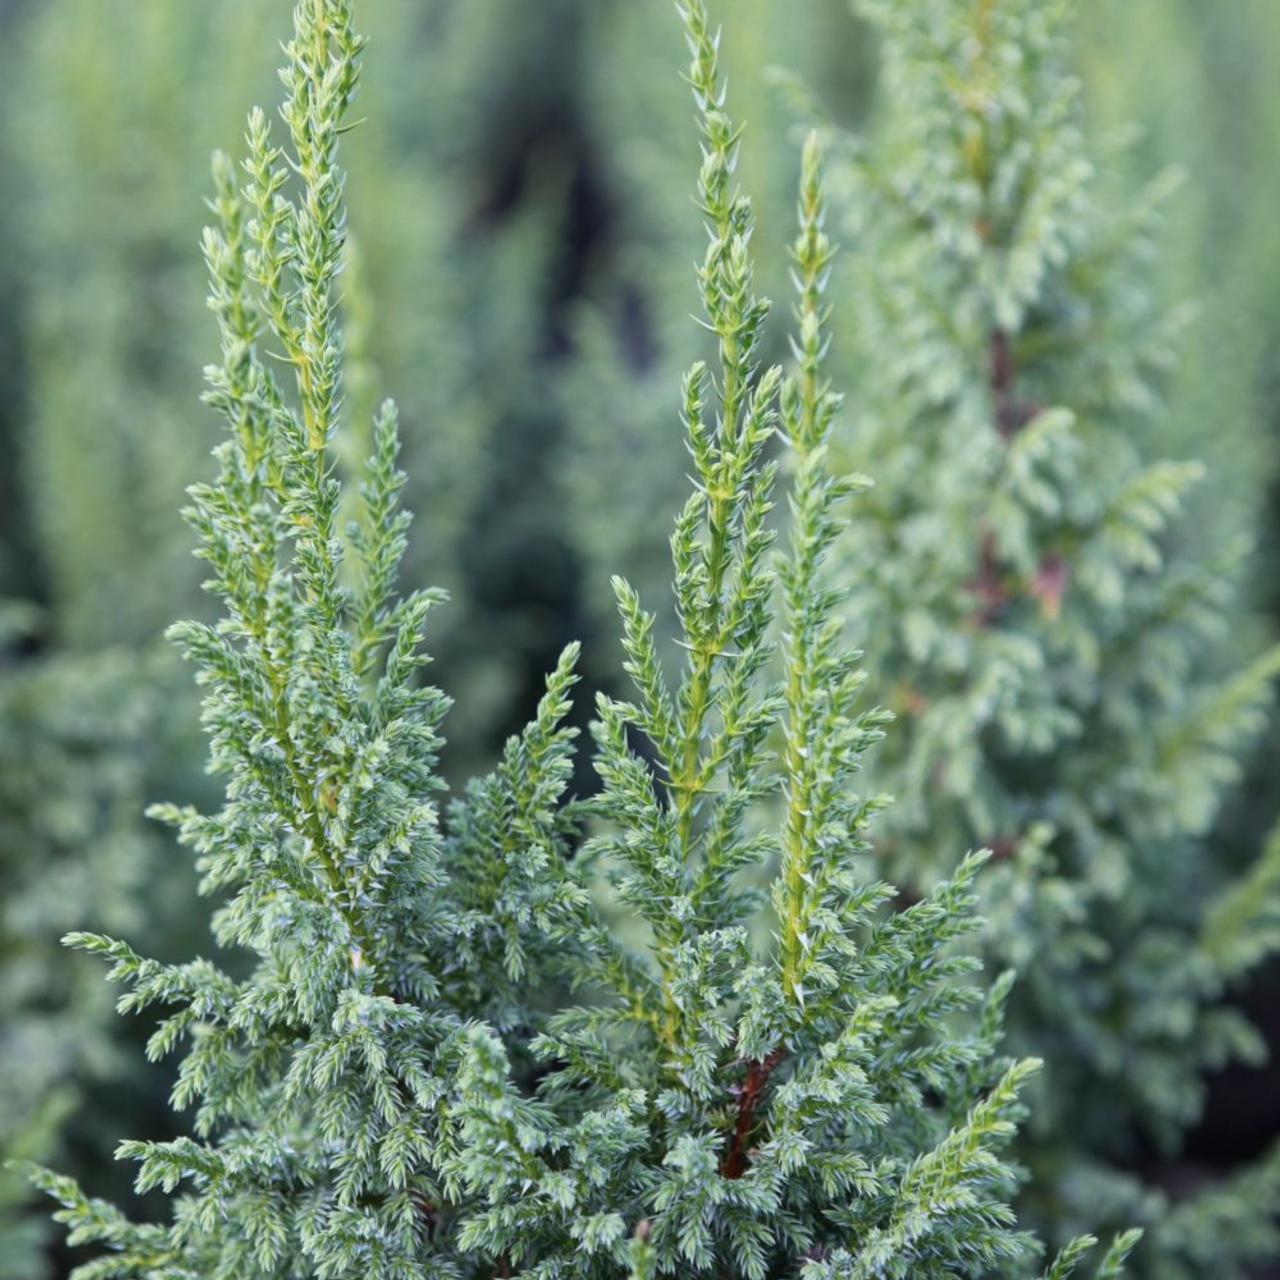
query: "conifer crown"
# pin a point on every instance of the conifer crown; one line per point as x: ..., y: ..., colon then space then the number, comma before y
x: 700, y: 1041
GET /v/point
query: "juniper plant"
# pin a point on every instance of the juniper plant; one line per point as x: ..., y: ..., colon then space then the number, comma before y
x: 99, y: 108
x: 630, y: 340
x: 387, y: 1093
x: 71, y: 763
x: 104, y: 206
x: 105, y: 325
x: 1216, y: 247
x: 1047, y: 627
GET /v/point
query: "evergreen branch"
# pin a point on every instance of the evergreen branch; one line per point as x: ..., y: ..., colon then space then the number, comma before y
x: 734, y: 1163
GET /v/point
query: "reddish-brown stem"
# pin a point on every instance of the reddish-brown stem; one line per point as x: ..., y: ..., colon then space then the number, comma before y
x: 1050, y: 584
x: 1003, y: 847
x: 1011, y: 412
x: 988, y: 583
x: 1001, y: 371
x: 735, y: 1161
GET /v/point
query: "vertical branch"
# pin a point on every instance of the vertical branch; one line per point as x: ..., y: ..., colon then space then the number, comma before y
x: 808, y: 409
x: 725, y: 280
x: 818, y: 754
x: 736, y: 1159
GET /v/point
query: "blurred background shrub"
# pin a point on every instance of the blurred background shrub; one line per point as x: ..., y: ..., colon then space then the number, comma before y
x: 519, y: 268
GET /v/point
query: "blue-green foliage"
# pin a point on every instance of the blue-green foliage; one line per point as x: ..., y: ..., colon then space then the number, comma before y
x: 71, y: 750
x: 389, y: 1091
x: 110, y: 313
x: 1206, y: 102
x: 1054, y: 638
x: 630, y: 333
x: 103, y: 329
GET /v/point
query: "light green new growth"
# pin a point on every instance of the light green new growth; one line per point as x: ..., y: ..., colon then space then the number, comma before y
x: 400, y: 1088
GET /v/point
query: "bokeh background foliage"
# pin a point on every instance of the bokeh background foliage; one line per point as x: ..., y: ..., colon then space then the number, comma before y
x: 519, y: 271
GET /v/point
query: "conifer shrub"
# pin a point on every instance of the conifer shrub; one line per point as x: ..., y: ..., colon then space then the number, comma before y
x: 71, y: 734
x: 105, y: 211
x: 104, y: 297
x: 106, y: 106
x: 1206, y: 105
x: 629, y: 331
x: 762, y: 1067
x: 1054, y: 638
x: 102, y: 322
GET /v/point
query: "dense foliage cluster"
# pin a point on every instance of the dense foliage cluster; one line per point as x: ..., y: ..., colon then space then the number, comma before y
x: 651, y: 1007
x: 388, y: 1089
x: 70, y: 747
x: 1051, y: 634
